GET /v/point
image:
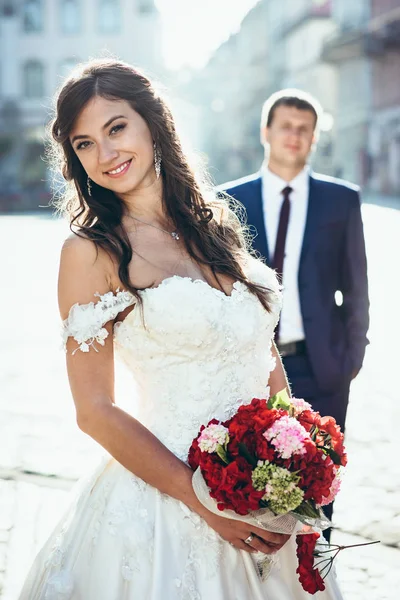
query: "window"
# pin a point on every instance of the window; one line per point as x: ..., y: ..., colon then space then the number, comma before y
x: 32, y: 16
x: 70, y: 14
x: 109, y: 16
x: 146, y: 6
x: 33, y: 74
x: 9, y: 9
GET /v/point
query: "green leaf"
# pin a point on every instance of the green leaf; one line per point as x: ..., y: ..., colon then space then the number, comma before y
x: 334, y: 456
x: 280, y: 400
x: 222, y: 453
x: 243, y: 451
x: 307, y: 509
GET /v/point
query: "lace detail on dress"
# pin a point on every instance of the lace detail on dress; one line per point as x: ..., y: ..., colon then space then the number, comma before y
x: 202, y: 537
x: 85, y: 322
x: 201, y: 354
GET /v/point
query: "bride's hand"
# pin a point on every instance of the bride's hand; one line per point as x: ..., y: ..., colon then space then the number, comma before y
x: 236, y: 532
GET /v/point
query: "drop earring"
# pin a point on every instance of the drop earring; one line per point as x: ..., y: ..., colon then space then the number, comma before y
x: 89, y: 186
x: 157, y: 160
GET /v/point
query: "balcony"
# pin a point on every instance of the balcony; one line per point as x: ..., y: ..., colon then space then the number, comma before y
x: 352, y: 44
x: 371, y: 39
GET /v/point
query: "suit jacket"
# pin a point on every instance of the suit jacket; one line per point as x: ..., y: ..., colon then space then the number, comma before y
x: 332, y: 258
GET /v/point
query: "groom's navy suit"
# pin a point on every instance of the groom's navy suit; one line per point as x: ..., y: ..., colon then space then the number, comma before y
x: 332, y: 259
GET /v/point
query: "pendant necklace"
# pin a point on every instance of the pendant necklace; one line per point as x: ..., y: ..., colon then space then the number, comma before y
x: 173, y: 234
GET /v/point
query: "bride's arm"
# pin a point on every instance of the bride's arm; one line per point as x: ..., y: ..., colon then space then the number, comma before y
x: 277, y: 379
x: 84, y: 272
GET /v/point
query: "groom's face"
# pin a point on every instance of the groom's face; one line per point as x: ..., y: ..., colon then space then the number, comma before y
x: 290, y: 136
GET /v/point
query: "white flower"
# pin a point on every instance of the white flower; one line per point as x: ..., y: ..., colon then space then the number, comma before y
x: 213, y: 436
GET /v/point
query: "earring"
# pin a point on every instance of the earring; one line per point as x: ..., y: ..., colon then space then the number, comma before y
x: 89, y: 186
x: 157, y: 160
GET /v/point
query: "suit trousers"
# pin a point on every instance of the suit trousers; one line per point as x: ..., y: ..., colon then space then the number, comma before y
x: 304, y: 385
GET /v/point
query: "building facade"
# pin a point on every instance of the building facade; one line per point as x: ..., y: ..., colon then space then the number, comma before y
x: 40, y: 42
x: 228, y: 94
x: 349, y: 52
x: 366, y: 53
x: 384, y: 130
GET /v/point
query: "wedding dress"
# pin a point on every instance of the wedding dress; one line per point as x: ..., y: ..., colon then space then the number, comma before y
x: 195, y: 354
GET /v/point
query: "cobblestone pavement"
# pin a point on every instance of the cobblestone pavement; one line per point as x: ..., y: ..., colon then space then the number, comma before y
x: 42, y: 452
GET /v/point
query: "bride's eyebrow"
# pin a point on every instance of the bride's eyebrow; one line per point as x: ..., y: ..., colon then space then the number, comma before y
x: 84, y: 136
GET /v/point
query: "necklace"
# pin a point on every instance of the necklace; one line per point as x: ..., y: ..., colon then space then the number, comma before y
x: 173, y: 234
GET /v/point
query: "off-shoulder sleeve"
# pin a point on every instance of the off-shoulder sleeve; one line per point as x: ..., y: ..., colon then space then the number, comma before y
x: 85, y: 322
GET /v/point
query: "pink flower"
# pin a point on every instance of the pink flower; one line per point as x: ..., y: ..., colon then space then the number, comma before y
x: 213, y: 436
x: 288, y: 436
x: 333, y: 490
x: 300, y: 405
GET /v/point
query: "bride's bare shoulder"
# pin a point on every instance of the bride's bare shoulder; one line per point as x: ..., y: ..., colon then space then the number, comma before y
x: 78, y: 246
x: 81, y: 251
x: 84, y: 271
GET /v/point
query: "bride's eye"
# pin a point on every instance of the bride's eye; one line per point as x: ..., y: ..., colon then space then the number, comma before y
x: 82, y: 145
x: 117, y: 128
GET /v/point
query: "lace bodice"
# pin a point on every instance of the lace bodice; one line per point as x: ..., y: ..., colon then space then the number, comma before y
x: 195, y: 352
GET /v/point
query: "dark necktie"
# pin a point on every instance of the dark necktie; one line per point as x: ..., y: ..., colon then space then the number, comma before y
x: 279, y: 253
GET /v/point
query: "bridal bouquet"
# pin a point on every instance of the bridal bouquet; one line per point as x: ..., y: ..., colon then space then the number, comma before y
x: 274, y: 464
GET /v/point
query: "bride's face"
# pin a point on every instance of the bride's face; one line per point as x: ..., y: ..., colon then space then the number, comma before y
x: 114, y: 145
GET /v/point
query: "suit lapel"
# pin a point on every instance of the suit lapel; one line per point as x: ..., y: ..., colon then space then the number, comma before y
x: 313, y: 213
x: 255, y: 217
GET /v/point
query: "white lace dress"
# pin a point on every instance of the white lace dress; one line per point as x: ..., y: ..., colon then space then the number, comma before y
x: 195, y: 354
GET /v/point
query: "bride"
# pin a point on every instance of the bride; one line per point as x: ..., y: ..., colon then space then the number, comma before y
x: 158, y: 272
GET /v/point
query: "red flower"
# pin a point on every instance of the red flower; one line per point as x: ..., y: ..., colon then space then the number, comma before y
x: 309, y: 418
x: 194, y: 455
x: 329, y: 425
x: 263, y: 449
x: 248, y: 425
x: 255, y: 416
x: 325, y: 425
x: 309, y: 577
x: 231, y: 486
x: 316, y: 477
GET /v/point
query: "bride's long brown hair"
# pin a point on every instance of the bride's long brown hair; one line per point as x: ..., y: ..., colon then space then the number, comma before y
x: 212, y: 233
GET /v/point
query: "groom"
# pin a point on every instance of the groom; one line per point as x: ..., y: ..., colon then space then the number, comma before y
x: 309, y: 229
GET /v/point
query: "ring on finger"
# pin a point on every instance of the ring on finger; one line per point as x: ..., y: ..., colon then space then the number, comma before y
x: 249, y: 539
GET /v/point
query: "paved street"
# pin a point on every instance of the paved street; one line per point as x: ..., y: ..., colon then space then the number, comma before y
x: 42, y: 452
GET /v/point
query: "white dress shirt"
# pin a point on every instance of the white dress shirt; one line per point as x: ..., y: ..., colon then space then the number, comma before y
x: 291, y: 324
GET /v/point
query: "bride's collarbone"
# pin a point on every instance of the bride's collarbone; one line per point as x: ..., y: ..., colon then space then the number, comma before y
x: 150, y: 278
x: 150, y: 266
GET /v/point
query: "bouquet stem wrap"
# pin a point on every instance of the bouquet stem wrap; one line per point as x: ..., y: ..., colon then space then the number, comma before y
x: 288, y: 523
